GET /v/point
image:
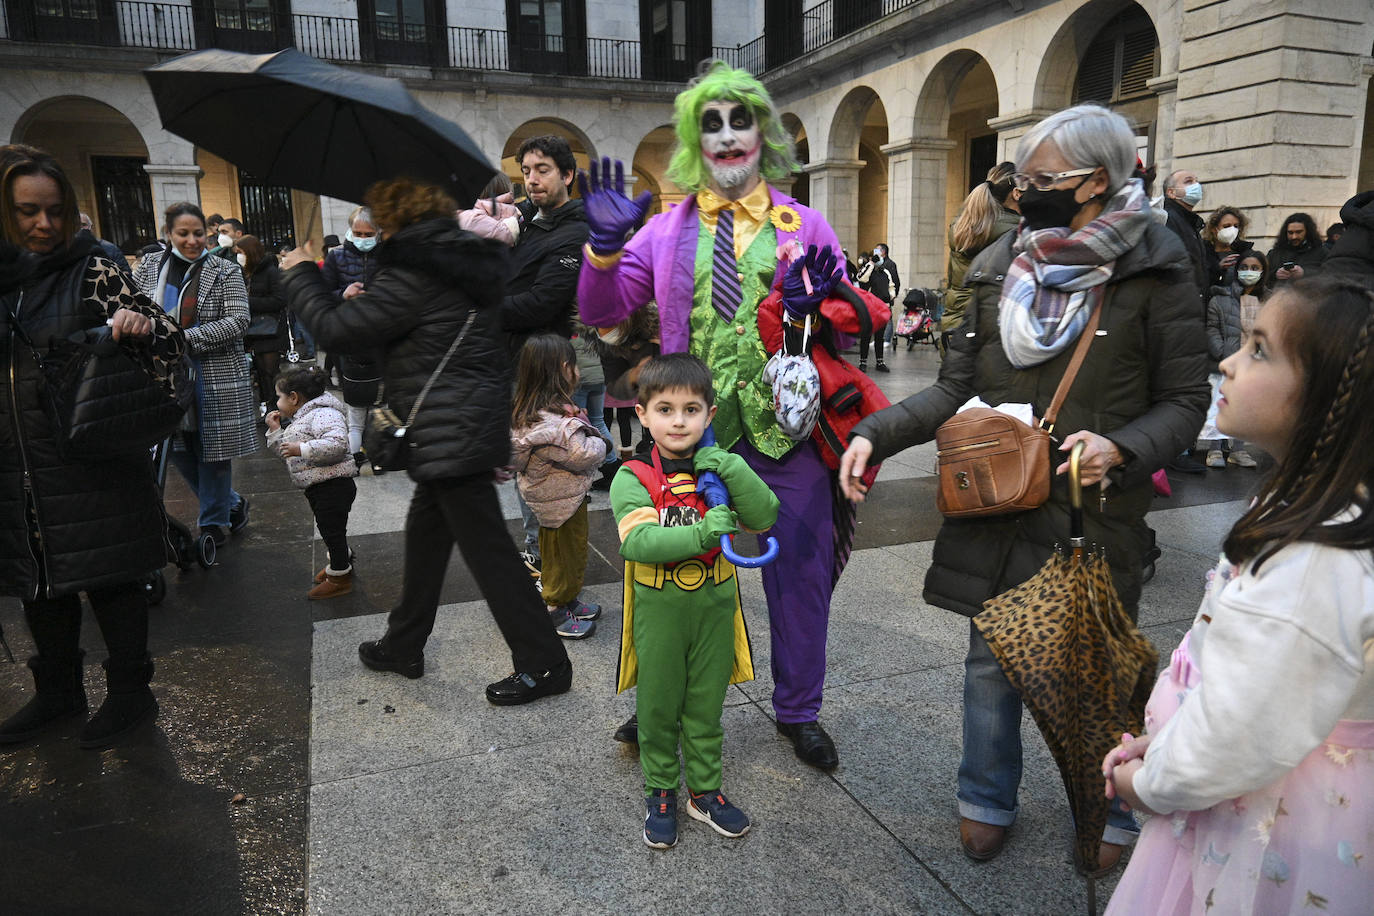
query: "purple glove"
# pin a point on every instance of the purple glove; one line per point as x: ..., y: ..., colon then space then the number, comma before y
x: 825, y: 272
x: 611, y: 215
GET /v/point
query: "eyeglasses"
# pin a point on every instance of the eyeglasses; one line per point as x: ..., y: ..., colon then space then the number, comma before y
x: 1043, y: 181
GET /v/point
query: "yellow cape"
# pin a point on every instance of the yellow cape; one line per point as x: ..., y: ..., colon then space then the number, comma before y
x: 627, y: 671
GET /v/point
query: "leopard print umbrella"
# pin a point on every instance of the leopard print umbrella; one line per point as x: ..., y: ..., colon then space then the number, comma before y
x: 1083, y: 670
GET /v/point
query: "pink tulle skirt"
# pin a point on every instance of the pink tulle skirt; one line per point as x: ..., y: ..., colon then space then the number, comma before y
x: 1304, y: 844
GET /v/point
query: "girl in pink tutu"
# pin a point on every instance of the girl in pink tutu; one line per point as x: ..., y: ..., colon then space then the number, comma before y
x: 1258, y: 762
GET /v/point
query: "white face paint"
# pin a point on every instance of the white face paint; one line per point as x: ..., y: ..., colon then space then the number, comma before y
x: 731, y: 143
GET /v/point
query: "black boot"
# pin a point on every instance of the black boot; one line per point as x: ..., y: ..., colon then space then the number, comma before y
x: 128, y: 703
x: 61, y: 695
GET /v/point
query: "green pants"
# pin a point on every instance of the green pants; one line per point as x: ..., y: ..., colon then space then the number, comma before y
x: 686, y: 649
x: 563, y: 558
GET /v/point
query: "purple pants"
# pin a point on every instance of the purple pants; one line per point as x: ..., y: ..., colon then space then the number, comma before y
x: 799, y: 583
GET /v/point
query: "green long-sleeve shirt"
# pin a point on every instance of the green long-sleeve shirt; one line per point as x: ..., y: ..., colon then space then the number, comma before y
x: 644, y: 540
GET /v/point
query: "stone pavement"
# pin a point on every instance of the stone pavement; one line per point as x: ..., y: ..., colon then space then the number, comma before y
x: 283, y: 777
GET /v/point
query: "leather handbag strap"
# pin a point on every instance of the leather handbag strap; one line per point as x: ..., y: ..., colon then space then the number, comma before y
x: 415, y: 408
x: 1080, y: 352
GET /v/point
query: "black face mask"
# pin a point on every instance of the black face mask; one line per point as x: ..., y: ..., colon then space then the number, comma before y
x: 1050, y: 209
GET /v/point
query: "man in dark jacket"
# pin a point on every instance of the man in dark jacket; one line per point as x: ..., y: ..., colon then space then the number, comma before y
x: 880, y: 278
x: 1353, y: 255
x: 108, y: 248
x: 1182, y: 193
x: 1298, y: 252
x: 542, y: 293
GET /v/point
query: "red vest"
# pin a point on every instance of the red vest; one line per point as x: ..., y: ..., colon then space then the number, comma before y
x: 676, y: 497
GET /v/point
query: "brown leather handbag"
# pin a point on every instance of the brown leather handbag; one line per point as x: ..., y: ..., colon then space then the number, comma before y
x: 990, y: 463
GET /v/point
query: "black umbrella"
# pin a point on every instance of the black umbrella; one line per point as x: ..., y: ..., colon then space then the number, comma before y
x: 289, y: 119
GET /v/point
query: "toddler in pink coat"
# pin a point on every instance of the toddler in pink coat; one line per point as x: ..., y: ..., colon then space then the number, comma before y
x: 493, y: 215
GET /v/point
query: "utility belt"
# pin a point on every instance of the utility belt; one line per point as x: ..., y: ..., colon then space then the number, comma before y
x: 688, y: 575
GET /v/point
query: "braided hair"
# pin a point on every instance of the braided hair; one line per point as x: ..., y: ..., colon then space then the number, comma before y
x: 1329, y: 467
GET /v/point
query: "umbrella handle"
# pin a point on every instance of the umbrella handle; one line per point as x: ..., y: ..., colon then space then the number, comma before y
x: 769, y: 554
x: 1076, y: 494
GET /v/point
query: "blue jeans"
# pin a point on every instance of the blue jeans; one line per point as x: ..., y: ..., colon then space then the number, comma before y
x: 990, y: 771
x: 209, y: 480
x: 592, y: 399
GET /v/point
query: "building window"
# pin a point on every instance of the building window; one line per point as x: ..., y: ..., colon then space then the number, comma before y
x: 1119, y: 61
x: 674, y: 36
x: 400, y: 20
x: 541, y: 25
x: 67, y: 9
x: 249, y: 15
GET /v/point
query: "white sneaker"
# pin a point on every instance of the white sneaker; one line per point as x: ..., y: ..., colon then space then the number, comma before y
x: 1215, y: 459
x: 1241, y: 459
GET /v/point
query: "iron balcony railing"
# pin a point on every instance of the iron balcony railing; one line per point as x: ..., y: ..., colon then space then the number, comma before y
x: 172, y: 26
x: 177, y: 26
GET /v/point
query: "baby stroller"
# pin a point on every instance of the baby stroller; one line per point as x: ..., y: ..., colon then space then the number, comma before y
x: 917, y: 323
x: 187, y: 549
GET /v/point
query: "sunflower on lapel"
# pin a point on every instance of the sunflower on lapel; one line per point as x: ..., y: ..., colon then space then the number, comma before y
x: 784, y: 218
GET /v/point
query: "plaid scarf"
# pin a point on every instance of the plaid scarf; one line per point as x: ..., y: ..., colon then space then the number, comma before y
x: 1058, y: 277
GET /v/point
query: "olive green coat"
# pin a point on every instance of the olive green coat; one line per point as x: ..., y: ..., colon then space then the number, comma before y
x: 956, y: 300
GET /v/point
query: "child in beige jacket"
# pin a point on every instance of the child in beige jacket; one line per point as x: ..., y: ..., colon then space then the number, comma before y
x: 556, y: 453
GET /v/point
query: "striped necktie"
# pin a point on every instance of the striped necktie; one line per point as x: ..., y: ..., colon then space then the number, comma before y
x: 726, y: 294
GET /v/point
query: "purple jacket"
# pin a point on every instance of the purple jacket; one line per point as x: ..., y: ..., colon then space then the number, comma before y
x: 658, y: 264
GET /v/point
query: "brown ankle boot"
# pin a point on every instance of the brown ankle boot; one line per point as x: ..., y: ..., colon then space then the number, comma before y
x: 333, y: 586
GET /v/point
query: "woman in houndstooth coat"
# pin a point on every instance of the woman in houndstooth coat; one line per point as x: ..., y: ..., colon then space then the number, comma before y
x: 207, y: 297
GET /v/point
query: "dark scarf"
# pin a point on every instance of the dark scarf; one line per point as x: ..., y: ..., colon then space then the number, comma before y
x: 20, y: 267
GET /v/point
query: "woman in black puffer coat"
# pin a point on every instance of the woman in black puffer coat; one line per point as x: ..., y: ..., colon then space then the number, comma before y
x: 431, y: 278
x: 69, y: 526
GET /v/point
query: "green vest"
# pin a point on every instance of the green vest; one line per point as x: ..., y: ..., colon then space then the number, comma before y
x: 733, y: 349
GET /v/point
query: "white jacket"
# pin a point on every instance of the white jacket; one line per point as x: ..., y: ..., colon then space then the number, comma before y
x: 320, y: 428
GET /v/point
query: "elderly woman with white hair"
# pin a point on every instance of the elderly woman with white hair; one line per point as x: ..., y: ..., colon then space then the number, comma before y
x: 1086, y: 242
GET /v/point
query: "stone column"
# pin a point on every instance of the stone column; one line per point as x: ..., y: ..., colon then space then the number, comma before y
x: 917, y: 171
x: 835, y: 193
x: 784, y: 184
x: 1166, y: 88
x: 334, y: 215
x: 172, y: 183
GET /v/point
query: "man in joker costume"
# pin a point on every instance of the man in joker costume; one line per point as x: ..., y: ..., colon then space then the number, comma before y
x: 708, y: 263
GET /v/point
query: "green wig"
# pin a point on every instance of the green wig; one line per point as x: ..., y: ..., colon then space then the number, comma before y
x: 719, y: 81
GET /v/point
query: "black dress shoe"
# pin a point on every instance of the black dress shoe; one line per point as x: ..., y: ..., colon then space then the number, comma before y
x: 238, y: 516
x: 379, y: 659
x: 522, y: 686
x: 811, y: 743
x: 628, y: 733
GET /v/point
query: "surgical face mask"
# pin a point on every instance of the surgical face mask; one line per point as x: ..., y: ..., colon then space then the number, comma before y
x: 224, y: 241
x: 612, y: 336
x: 1050, y: 209
x: 1248, y: 278
x: 365, y: 244
x: 242, y: 259
x: 1192, y: 194
x: 1228, y: 235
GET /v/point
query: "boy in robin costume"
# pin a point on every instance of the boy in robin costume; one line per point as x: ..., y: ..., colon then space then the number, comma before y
x: 683, y: 638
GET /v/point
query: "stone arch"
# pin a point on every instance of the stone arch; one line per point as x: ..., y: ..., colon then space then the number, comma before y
x: 651, y: 159
x: 582, y: 147
x: 103, y: 159
x: 801, y: 141
x: 1058, y: 70
x: 848, y: 122
x: 851, y: 183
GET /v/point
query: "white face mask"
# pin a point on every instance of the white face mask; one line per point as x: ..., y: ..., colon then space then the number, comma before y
x: 1228, y: 235
x: 1248, y: 277
x: 242, y: 259
x: 224, y: 240
x: 611, y: 336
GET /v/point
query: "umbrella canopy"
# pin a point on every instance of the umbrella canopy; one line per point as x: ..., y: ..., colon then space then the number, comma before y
x: 292, y: 120
x: 1083, y: 670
